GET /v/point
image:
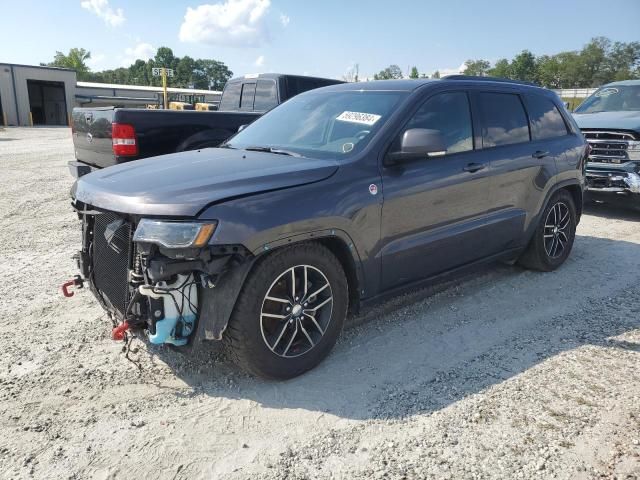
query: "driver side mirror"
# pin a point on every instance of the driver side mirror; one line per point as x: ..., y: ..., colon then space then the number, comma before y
x: 418, y: 143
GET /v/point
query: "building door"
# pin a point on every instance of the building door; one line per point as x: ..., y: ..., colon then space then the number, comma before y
x: 47, y: 102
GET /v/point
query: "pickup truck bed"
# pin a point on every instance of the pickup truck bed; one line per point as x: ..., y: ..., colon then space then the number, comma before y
x: 108, y: 136
x: 156, y: 132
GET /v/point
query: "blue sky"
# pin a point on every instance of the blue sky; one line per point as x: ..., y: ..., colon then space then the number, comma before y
x: 323, y: 38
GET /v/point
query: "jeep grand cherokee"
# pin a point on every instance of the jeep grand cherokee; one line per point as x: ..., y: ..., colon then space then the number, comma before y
x: 329, y: 201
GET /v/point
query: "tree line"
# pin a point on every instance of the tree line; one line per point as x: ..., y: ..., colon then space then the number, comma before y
x: 600, y: 61
x: 199, y: 73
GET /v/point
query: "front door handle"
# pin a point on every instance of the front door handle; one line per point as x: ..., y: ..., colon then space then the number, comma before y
x: 474, y: 167
x: 540, y: 154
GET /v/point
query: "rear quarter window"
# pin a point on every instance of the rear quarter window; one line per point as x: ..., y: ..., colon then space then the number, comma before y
x: 546, y: 120
x: 504, y: 121
x: 266, y: 95
x: 231, y: 97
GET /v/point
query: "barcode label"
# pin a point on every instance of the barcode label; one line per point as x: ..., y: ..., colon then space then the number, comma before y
x: 359, y: 117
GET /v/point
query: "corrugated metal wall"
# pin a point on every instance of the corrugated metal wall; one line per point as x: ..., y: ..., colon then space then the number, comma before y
x: 20, y: 76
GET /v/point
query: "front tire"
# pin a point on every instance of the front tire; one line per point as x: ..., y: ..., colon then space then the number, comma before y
x: 289, y: 313
x: 554, y: 236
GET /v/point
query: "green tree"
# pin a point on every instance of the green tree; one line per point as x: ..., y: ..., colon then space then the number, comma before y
x: 414, y: 73
x: 624, y: 59
x: 76, y: 59
x: 549, y: 71
x: 203, y: 74
x: 211, y: 74
x: 184, y: 72
x: 389, y: 73
x: 501, y: 69
x: 476, y: 67
x: 165, y: 58
x: 436, y: 74
x: 523, y: 67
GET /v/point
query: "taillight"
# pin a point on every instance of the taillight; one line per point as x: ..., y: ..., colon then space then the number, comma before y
x: 123, y: 138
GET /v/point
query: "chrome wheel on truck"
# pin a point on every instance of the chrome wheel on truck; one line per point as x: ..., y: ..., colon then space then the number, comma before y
x: 296, y: 311
x: 289, y: 313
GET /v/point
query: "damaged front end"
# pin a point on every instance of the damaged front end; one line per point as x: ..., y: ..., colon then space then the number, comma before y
x: 624, y: 182
x: 160, y: 276
x: 613, y: 169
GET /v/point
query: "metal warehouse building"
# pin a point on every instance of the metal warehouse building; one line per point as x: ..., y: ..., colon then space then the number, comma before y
x: 46, y: 95
x: 45, y: 92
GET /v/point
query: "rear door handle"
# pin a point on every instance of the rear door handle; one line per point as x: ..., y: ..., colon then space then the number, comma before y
x: 474, y: 167
x: 540, y: 154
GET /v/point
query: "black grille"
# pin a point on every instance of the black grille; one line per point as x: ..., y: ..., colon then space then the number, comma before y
x: 111, y: 256
x: 608, y: 146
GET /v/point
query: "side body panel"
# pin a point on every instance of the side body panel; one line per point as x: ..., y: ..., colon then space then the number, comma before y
x: 340, y: 206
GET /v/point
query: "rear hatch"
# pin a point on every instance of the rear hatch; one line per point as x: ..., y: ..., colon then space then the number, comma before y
x: 92, y: 136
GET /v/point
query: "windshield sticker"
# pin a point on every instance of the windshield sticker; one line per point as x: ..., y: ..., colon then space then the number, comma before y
x: 605, y: 92
x: 358, y: 117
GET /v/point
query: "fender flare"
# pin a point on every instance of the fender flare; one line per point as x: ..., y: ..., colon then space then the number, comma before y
x: 322, y: 235
x: 218, y: 302
x: 572, y: 182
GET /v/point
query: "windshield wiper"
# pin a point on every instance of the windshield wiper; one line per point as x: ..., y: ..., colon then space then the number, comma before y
x: 277, y: 151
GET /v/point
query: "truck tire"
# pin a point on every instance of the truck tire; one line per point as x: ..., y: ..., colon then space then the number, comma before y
x: 553, y: 238
x: 289, y: 313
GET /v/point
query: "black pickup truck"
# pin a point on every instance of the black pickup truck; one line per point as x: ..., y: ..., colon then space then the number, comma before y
x: 107, y: 136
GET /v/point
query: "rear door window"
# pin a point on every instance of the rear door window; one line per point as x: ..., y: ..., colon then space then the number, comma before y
x: 504, y: 121
x: 546, y: 120
x: 266, y: 95
x: 248, y: 95
x: 231, y: 97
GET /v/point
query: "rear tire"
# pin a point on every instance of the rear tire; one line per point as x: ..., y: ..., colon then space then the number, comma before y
x: 289, y: 313
x: 554, y: 236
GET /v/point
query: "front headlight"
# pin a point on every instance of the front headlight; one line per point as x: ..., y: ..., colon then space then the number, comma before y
x: 174, y: 234
x: 633, y: 150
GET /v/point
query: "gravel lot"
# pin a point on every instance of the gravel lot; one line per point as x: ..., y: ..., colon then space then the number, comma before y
x: 503, y: 374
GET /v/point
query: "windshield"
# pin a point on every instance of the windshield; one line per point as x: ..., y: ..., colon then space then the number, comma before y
x: 612, y: 99
x: 320, y: 124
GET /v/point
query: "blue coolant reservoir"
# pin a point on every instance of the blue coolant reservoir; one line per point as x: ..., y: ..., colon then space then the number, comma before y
x: 180, y: 300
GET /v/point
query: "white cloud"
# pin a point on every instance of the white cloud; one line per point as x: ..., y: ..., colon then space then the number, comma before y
x: 284, y: 19
x: 143, y: 51
x: 235, y: 23
x: 260, y: 61
x: 101, y: 8
x: 452, y: 71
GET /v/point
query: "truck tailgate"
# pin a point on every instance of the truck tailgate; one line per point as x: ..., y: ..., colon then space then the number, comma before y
x: 92, y: 136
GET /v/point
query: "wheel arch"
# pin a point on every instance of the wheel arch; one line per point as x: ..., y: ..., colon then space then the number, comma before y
x: 342, y: 246
x: 576, y: 192
x: 220, y: 301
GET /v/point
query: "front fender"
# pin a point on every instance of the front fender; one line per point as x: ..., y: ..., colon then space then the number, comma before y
x: 339, y: 208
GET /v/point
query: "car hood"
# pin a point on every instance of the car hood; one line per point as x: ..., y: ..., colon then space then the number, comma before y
x: 182, y: 184
x: 609, y: 120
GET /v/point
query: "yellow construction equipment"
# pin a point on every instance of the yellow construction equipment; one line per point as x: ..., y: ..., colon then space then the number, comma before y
x: 180, y: 106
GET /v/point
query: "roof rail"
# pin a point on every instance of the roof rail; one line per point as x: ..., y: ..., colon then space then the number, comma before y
x: 489, y: 79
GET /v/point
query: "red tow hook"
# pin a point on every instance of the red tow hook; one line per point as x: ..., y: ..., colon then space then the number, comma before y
x: 76, y: 282
x: 119, y: 332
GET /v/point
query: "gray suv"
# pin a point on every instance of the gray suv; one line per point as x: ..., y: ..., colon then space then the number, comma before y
x: 330, y: 201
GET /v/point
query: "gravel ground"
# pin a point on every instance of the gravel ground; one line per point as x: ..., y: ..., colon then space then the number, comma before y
x: 505, y: 373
